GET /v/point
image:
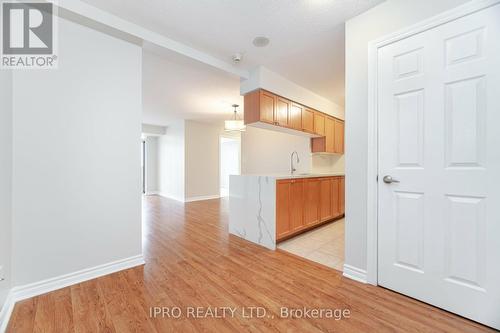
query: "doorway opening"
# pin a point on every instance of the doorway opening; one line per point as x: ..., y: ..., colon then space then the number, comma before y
x: 229, y: 164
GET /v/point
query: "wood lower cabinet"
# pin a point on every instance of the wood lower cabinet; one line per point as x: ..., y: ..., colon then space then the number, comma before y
x: 289, y: 207
x: 335, y: 188
x: 326, y: 199
x: 296, y: 206
x: 312, y: 188
x: 342, y: 195
x: 283, y: 224
x: 302, y: 204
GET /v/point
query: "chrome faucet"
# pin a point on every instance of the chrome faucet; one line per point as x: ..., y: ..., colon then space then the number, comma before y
x: 292, y: 168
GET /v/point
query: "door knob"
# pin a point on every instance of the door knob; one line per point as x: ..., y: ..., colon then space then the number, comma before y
x: 388, y: 179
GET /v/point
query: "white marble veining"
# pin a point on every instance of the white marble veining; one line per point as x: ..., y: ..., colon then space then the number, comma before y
x: 252, y: 206
x: 252, y: 209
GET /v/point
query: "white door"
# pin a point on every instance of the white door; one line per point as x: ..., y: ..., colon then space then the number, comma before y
x: 439, y: 135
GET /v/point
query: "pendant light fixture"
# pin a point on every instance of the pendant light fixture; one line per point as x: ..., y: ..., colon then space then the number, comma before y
x: 235, y: 124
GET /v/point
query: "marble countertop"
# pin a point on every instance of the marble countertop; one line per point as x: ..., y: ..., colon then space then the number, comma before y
x: 297, y: 175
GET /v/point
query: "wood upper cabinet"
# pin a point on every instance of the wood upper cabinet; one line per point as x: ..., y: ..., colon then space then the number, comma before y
x: 295, y: 116
x: 267, y: 105
x: 282, y: 112
x: 325, y: 204
x: 259, y: 106
x: 262, y: 106
x: 319, y: 123
x: 333, y: 141
x: 312, y: 188
x: 339, y: 137
x: 330, y: 135
x: 307, y: 120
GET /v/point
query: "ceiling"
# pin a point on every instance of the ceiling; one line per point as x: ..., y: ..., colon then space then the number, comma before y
x: 307, y: 36
x: 176, y: 87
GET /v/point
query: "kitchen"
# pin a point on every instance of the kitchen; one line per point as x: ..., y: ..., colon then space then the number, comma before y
x: 299, y: 211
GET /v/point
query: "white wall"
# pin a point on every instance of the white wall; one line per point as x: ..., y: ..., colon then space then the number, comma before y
x: 383, y: 19
x: 5, y: 181
x: 188, y: 160
x: 268, y: 152
x: 171, y: 162
x: 151, y: 164
x: 202, y: 159
x: 76, y: 171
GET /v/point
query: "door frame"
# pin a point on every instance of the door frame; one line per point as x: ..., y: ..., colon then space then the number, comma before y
x: 373, y: 125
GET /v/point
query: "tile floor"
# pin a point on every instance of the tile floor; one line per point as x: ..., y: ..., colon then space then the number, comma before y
x: 324, y: 245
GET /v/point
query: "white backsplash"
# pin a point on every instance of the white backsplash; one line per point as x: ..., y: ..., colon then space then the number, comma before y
x: 327, y: 163
x: 268, y: 152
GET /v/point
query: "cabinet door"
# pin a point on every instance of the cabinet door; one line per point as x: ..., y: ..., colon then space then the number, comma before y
x: 311, y: 203
x: 319, y: 123
x: 330, y: 135
x: 335, y: 197
x: 283, y: 225
x: 267, y: 106
x: 339, y: 136
x: 342, y: 195
x: 325, y: 204
x: 282, y: 112
x: 296, y: 204
x: 307, y: 120
x: 296, y: 116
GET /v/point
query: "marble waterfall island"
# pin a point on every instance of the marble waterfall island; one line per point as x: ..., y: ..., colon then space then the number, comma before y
x: 252, y: 206
x: 252, y: 209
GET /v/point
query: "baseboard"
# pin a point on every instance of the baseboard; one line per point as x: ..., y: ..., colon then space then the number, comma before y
x: 355, y: 273
x: 41, y: 287
x: 202, y: 197
x: 45, y: 286
x: 165, y: 195
x: 6, y: 312
x: 152, y: 193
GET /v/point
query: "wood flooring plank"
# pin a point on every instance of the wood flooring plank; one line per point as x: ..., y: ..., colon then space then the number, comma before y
x: 63, y: 311
x: 192, y: 261
x: 23, y: 317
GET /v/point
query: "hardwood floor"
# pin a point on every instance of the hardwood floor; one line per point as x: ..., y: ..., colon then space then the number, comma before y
x: 191, y: 261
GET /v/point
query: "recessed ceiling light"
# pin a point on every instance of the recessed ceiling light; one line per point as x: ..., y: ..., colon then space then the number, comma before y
x: 260, y: 41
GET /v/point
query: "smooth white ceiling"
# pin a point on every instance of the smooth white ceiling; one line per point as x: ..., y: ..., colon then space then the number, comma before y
x: 176, y: 87
x: 307, y: 36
